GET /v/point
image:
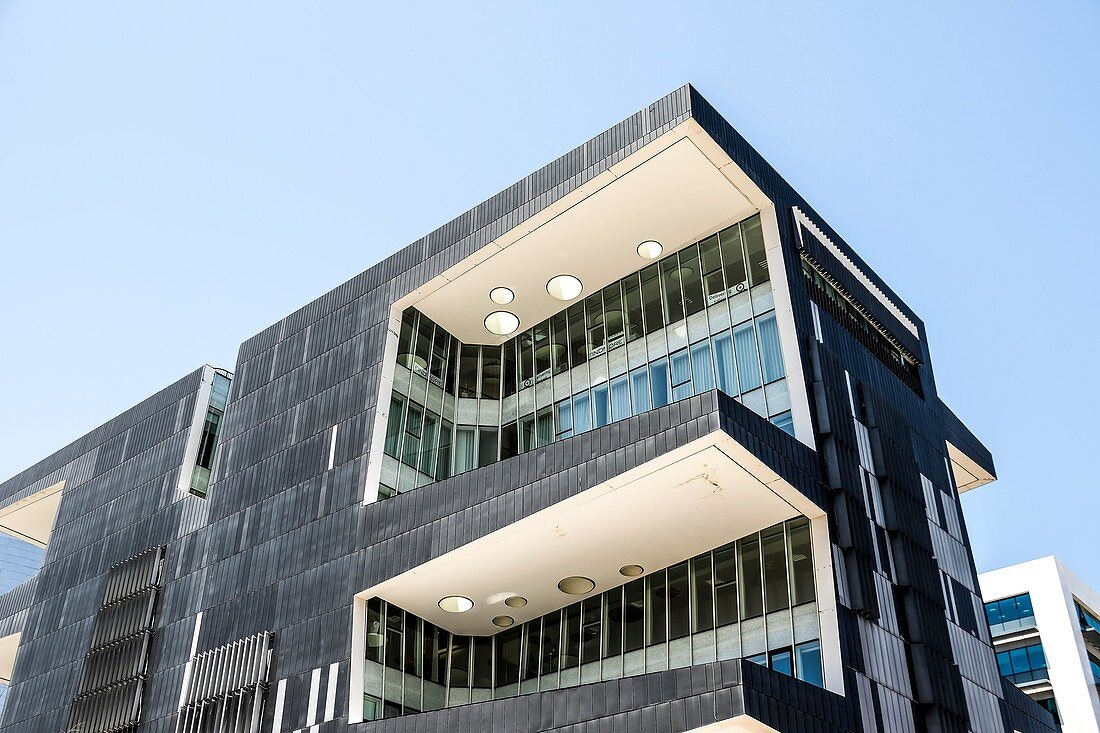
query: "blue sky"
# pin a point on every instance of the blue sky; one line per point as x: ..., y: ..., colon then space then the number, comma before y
x: 174, y: 177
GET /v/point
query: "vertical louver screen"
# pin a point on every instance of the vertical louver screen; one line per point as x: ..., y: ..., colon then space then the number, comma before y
x: 109, y: 698
x: 224, y: 691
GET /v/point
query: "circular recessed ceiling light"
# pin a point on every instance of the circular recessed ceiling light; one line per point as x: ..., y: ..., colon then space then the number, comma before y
x: 456, y: 604
x: 631, y: 571
x: 515, y: 602
x: 650, y: 250
x: 501, y: 323
x: 503, y: 621
x: 502, y: 295
x: 564, y: 287
x: 576, y: 585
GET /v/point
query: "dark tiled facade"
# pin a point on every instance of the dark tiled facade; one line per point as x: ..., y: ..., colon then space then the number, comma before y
x: 283, y: 541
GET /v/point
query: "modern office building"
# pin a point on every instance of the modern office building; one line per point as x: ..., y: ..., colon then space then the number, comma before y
x: 1045, y: 624
x: 639, y: 443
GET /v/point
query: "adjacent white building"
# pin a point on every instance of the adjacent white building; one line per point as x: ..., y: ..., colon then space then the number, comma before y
x: 1045, y: 624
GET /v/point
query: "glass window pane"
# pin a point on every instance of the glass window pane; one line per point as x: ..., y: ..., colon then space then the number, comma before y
x: 754, y: 247
x: 679, y: 604
x: 634, y: 615
x: 702, y: 594
x: 733, y: 259
x: 571, y: 636
x: 565, y: 419
x: 487, y: 446
x: 582, y: 413
x: 465, y: 449
x: 559, y: 348
x: 776, y: 594
x: 670, y: 280
x: 701, y: 367
x: 802, y: 564
x: 691, y: 280
x: 713, y: 283
x: 507, y: 647
x: 467, y: 371
x: 781, y: 662
x: 593, y: 306
x: 727, y: 371
x: 656, y: 598
x: 509, y: 441
x: 620, y: 398
x: 748, y: 364
x: 578, y: 336
x: 749, y: 581
x: 725, y: 585
x: 681, y: 374
x: 533, y: 649
x: 658, y: 382
x: 509, y: 368
x: 542, y: 351
x: 771, y: 355
x: 591, y: 617
x: 551, y: 642
x: 613, y: 317
x: 601, y: 405
x: 526, y: 342
x: 808, y: 663
x: 651, y: 300
x: 613, y: 623
x: 632, y: 301
x: 639, y: 388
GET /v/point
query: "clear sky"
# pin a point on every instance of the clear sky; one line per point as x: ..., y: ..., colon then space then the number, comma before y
x: 174, y: 177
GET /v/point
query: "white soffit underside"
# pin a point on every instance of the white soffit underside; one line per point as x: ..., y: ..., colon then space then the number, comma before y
x: 670, y: 191
x: 31, y: 518
x: 967, y: 473
x: 9, y: 645
x: 691, y: 500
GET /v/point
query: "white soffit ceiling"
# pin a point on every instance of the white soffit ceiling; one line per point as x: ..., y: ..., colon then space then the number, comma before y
x: 967, y: 473
x: 9, y: 645
x: 675, y: 196
x: 694, y: 499
x: 31, y: 518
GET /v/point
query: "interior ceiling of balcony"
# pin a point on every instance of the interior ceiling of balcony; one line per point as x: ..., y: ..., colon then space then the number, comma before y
x: 675, y: 190
x: 714, y: 486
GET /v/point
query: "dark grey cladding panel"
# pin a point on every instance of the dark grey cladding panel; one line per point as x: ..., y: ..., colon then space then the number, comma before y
x: 14, y: 605
x: 411, y: 528
x: 1022, y: 714
x: 108, y: 439
x: 963, y: 439
x: 673, y: 701
x: 120, y: 499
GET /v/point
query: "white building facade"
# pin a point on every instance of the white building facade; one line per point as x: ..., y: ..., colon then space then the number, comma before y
x: 1046, y: 631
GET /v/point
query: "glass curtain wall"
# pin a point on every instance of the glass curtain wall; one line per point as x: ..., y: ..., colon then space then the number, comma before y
x: 698, y: 319
x: 752, y: 598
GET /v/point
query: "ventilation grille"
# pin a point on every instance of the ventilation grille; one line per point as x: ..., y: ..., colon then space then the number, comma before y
x: 224, y: 691
x: 109, y: 697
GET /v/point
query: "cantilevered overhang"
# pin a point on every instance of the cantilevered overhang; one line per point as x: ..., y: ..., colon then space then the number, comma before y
x: 30, y: 518
x: 967, y: 472
x: 697, y: 497
x: 9, y: 646
x: 676, y: 189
